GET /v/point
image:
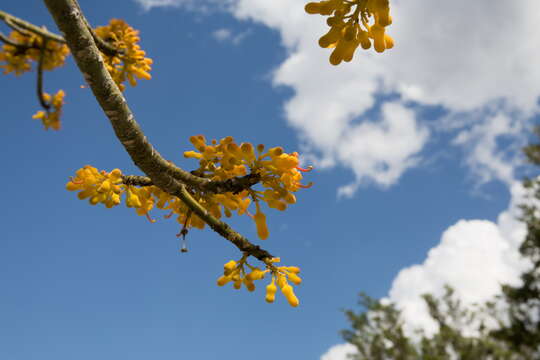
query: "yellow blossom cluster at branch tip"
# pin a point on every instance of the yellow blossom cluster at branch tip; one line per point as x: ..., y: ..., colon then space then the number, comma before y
x: 279, y: 172
x: 349, y: 22
x: 97, y: 186
x: 51, y: 118
x: 130, y: 62
x: 107, y: 188
x: 235, y: 272
x: 18, y: 59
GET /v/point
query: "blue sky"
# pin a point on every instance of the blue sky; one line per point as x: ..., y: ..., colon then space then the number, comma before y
x: 412, y: 158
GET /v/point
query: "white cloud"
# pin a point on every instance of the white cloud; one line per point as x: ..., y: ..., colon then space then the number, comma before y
x: 192, y: 5
x: 465, y: 61
x: 474, y: 257
x: 364, y: 148
x: 149, y: 4
x: 339, y: 352
x: 464, y: 54
x: 488, y: 160
x: 222, y: 34
x: 227, y: 35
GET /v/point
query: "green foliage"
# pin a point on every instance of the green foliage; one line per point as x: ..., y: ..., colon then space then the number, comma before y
x: 522, y: 331
x: 378, y: 332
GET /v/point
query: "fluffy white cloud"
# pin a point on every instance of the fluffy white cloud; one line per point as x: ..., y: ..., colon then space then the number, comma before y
x: 339, y: 352
x: 464, y: 54
x: 465, y: 61
x: 474, y: 256
x: 364, y: 148
x: 488, y: 160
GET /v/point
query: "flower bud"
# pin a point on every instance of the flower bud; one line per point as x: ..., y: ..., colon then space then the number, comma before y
x: 229, y: 267
x: 271, y: 290
x: 295, y: 279
x: 223, y: 280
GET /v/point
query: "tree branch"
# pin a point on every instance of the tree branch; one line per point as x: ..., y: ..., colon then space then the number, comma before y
x: 8, y: 18
x: 162, y: 173
x: 8, y: 41
x: 234, y: 185
x: 102, y: 45
x: 24, y: 27
x: 137, y: 180
x: 202, y: 184
x: 44, y: 104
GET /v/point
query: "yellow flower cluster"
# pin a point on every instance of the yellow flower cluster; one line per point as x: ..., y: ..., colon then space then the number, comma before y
x: 51, y: 118
x: 235, y: 272
x: 129, y: 63
x: 107, y: 188
x: 350, y: 28
x: 279, y: 173
x: 97, y: 186
x: 18, y: 59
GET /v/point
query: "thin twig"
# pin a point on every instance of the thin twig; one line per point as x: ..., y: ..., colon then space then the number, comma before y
x: 20, y: 23
x: 102, y: 45
x: 17, y: 28
x: 44, y: 104
x: 222, y: 228
x: 8, y: 41
x: 137, y: 180
x: 234, y: 185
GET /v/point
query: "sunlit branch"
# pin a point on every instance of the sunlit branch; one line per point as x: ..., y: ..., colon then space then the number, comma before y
x: 234, y: 185
x: 17, y: 23
x: 8, y: 41
x: 162, y: 173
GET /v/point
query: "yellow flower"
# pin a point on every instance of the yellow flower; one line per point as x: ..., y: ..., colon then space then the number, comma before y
x: 229, y: 267
x: 260, y: 222
x: 130, y: 62
x: 349, y: 28
x: 271, y: 290
x: 18, y: 59
x: 51, y: 118
x: 222, y: 280
x: 99, y: 187
x: 288, y: 292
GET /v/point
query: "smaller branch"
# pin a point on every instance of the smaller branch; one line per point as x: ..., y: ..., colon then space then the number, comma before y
x: 8, y: 41
x: 15, y: 27
x: 234, y: 185
x: 25, y: 27
x: 42, y: 101
x: 20, y: 24
x: 217, y: 225
x: 137, y: 180
x: 222, y: 228
x: 102, y: 45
